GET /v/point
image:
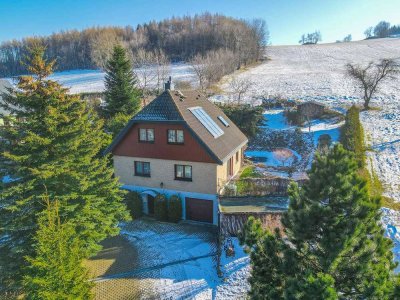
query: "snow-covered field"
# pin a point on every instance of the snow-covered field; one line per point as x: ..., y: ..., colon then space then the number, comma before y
x: 91, y: 81
x: 317, y: 72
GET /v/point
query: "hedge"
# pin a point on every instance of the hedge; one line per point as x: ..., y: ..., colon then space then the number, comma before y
x: 160, y: 208
x: 134, y: 204
x: 174, y: 209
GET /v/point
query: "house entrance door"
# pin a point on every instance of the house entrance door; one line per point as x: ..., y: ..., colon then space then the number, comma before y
x: 150, y: 204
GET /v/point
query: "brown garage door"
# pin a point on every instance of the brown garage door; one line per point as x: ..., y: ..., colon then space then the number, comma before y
x: 199, y: 210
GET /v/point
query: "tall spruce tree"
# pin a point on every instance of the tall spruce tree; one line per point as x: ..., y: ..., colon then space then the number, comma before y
x: 56, y: 270
x: 121, y: 95
x: 55, y: 142
x: 334, y: 241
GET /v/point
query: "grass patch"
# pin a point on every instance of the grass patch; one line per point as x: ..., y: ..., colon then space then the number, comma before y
x: 250, y: 172
x: 389, y: 203
x: 244, y: 187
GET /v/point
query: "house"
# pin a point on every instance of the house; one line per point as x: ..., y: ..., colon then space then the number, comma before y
x: 310, y: 110
x: 179, y: 144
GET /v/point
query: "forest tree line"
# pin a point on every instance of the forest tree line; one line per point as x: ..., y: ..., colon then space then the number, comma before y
x: 382, y: 30
x: 177, y: 38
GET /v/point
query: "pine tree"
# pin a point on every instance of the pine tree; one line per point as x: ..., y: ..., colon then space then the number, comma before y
x: 334, y: 224
x: 121, y: 95
x: 55, y: 142
x: 334, y: 241
x: 266, y: 253
x: 56, y: 271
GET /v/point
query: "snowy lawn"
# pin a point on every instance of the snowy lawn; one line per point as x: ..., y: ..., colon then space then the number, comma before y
x: 178, y: 261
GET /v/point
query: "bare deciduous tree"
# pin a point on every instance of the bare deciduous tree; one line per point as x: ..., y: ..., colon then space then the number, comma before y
x: 102, y: 45
x: 368, y: 32
x: 239, y: 87
x: 369, y: 77
x: 212, y: 66
x: 144, y: 63
x: 347, y: 38
x: 283, y: 155
x: 163, y: 68
x: 310, y: 38
x: 382, y: 29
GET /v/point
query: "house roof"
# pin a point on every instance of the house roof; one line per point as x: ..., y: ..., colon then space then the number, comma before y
x: 173, y: 106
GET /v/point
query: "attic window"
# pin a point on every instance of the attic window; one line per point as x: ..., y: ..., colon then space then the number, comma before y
x: 223, y: 121
x: 206, y: 121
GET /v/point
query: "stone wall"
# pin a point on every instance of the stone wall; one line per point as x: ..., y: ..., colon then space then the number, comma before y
x: 231, y: 224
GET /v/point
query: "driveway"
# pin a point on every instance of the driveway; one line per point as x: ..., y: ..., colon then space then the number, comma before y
x: 154, y: 260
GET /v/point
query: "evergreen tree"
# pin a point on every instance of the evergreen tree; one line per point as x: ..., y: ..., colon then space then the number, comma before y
x: 334, y: 224
x: 56, y: 271
x: 117, y: 123
x: 54, y: 142
x: 335, y: 243
x: 266, y: 253
x: 352, y: 135
x: 121, y: 95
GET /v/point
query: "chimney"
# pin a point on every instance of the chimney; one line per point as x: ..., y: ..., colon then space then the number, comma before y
x: 168, y: 84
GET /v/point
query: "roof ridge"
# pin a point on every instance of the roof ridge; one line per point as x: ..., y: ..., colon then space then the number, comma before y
x: 176, y: 106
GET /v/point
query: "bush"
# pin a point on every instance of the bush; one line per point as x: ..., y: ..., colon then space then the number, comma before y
x: 247, y: 118
x: 352, y: 135
x: 160, y: 208
x: 174, y: 209
x: 324, y: 143
x: 134, y: 204
x: 293, y: 117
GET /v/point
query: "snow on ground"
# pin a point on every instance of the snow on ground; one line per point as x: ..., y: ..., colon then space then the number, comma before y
x: 276, y: 120
x: 91, y: 81
x: 391, y: 221
x: 317, y: 72
x: 320, y: 127
x: 182, y: 259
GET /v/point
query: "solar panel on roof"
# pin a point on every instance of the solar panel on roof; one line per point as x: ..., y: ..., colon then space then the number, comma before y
x: 207, y: 122
x: 223, y: 121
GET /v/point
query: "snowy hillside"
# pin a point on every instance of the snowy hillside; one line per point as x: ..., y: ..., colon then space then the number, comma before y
x: 317, y: 72
x: 90, y: 81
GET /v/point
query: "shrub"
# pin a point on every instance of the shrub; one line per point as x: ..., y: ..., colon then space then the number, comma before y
x: 352, y: 135
x: 134, y: 204
x: 247, y: 118
x: 324, y: 142
x: 160, y: 208
x: 293, y: 117
x: 174, y: 209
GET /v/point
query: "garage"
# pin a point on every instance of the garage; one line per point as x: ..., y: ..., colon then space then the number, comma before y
x: 199, y: 210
